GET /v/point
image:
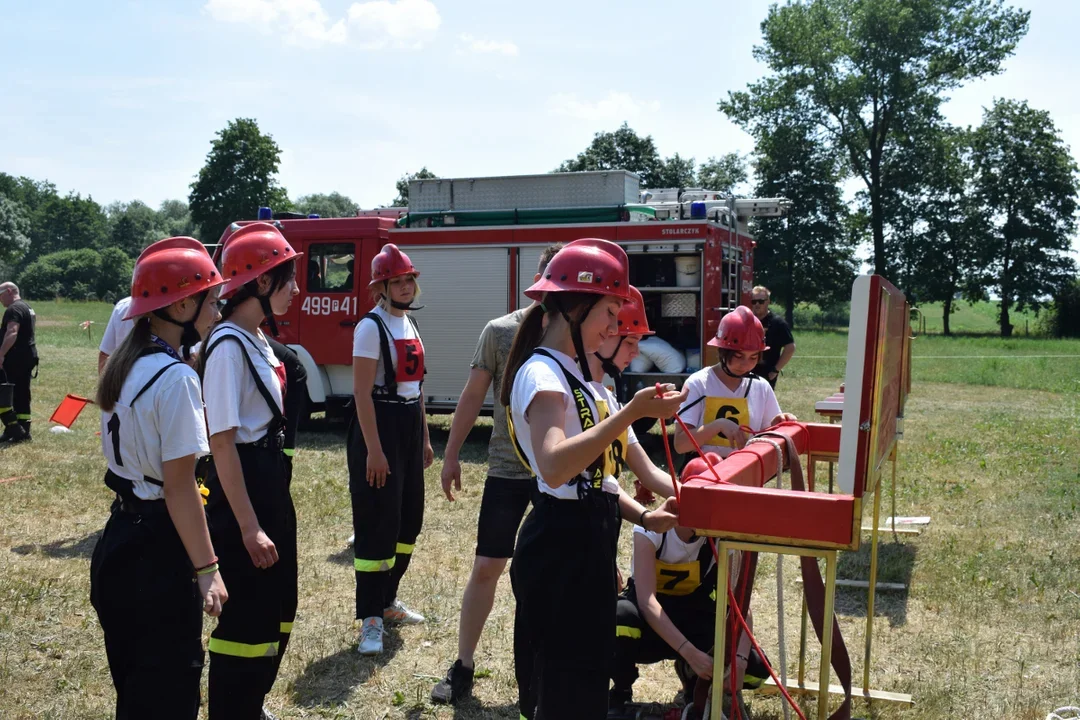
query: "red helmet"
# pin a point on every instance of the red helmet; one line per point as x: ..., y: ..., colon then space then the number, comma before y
x: 699, y: 466
x: 740, y: 330
x: 632, y: 320
x: 389, y: 264
x: 589, y: 265
x: 170, y: 270
x: 250, y: 251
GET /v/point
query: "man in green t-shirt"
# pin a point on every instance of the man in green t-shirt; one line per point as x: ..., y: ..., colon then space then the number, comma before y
x: 507, y: 492
x: 18, y: 357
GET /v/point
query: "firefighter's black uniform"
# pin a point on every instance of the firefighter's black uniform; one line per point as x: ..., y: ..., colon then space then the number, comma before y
x: 387, y: 520
x: 255, y: 625
x: 18, y: 368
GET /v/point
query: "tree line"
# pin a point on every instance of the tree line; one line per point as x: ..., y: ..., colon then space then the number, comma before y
x: 854, y: 92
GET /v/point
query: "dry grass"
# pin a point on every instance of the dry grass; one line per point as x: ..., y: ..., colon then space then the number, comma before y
x: 989, y: 627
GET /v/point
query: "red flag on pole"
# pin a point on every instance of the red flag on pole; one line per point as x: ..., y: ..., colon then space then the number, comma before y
x: 68, y: 411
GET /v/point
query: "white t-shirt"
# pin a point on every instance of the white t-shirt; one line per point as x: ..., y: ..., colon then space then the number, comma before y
x: 118, y: 328
x: 366, y: 345
x: 754, y: 410
x: 542, y: 374
x: 165, y: 424
x: 677, y: 552
x: 614, y: 406
x: 232, y: 398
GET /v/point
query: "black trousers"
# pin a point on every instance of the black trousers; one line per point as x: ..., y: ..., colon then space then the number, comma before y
x: 638, y: 644
x: 143, y: 588
x: 564, y: 581
x: 255, y: 624
x: 18, y: 372
x: 386, y: 520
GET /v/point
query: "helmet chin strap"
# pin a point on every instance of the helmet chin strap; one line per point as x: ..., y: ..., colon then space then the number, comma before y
x: 268, y: 312
x: 396, y: 304
x: 189, y: 334
x: 575, y: 335
x: 727, y: 370
x: 608, y: 363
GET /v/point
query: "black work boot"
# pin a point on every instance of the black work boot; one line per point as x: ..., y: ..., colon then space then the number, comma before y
x: 15, y: 433
x: 457, y: 685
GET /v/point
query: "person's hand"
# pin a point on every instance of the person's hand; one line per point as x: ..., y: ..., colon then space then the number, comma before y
x: 451, y: 475
x: 646, y: 403
x: 260, y: 548
x: 212, y: 591
x: 664, y: 517
x: 731, y: 430
x: 783, y: 417
x: 619, y: 578
x: 377, y: 468
x: 429, y: 455
x: 701, y: 663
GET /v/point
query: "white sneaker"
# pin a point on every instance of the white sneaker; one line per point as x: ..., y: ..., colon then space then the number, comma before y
x: 352, y: 539
x: 400, y: 613
x: 371, y: 636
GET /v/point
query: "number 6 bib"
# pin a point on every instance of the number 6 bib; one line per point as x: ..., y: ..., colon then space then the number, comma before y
x: 410, y: 360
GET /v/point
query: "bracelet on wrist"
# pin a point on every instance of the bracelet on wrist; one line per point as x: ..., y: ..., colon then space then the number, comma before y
x: 211, y: 567
x: 679, y: 651
x: 641, y: 519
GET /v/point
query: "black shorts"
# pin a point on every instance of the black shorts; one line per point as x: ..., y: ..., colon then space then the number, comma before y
x: 501, y: 510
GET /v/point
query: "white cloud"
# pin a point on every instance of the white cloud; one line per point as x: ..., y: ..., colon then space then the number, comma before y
x: 399, y: 24
x: 482, y: 47
x: 297, y: 22
x: 615, y: 107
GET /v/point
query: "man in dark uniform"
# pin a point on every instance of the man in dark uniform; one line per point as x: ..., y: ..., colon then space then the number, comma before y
x: 777, y: 337
x: 18, y: 357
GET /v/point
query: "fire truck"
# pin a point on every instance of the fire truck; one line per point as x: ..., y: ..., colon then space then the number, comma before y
x: 477, y: 243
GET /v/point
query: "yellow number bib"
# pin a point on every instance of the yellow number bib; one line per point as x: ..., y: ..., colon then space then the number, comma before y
x: 735, y: 409
x: 615, y: 454
x: 677, y: 578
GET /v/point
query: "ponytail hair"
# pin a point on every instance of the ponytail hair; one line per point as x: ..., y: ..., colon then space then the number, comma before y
x: 120, y: 364
x: 526, y: 339
x: 531, y: 331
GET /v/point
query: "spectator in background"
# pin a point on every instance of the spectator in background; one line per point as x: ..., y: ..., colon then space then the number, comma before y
x: 18, y: 357
x: 778, y: 338
x: 115, y: 332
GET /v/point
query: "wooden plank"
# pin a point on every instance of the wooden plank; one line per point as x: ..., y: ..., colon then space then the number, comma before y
x: 811, y: 688
x: 900, y: 530
x: 865, y: 584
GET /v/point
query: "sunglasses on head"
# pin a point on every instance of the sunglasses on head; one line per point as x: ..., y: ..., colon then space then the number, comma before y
x: 758, y: 302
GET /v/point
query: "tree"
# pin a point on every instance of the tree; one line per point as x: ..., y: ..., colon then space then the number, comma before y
x: 175, y: 219
x: 334, y: 205
x: 810, y: 255
x: 623, y: 149
x: 133, y: 226
x: 1027, y: 181
x: 14, y: 231
x: 724, y: 173
x: 238, y: 177
x: 677, y: 172
x: 402, y: 199
x: 865, y: 68
x: 67, y: 223
x: 939, y: 224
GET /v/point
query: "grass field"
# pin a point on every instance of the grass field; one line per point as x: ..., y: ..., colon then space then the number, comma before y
x: 989, y: 628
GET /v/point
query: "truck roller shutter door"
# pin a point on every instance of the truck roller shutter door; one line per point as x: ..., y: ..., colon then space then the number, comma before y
x: 462, y: 289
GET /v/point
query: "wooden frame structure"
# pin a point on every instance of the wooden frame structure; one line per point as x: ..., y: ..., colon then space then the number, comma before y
x: 742, y: 514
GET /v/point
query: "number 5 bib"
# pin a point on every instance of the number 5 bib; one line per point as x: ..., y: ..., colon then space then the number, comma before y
x: 410, y: 360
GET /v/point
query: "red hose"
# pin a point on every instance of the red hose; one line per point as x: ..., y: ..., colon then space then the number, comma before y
x: 740, y: 621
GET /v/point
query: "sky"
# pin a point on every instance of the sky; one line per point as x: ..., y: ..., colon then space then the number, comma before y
x: 120, y: 100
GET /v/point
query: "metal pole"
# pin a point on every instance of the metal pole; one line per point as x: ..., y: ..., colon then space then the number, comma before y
x: 721, y: 628
x: 826, y: 635
x: 873, y: 589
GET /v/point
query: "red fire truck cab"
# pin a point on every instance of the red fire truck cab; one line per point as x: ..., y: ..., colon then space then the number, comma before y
x: 476, y: 263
